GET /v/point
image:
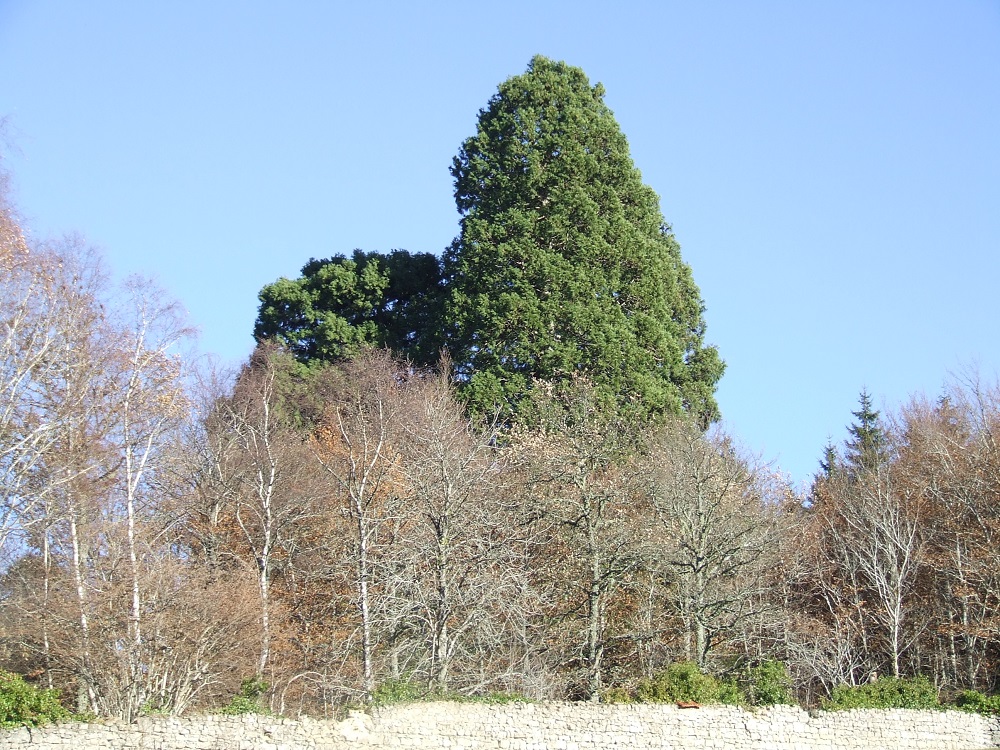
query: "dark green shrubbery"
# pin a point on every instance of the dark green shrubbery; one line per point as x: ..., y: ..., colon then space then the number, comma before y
x: 682, y: 681
x: 975, y: 702
x: 764, y: 684
x: 886, y: 692
x: 22, y: 704
x: 248, y: 701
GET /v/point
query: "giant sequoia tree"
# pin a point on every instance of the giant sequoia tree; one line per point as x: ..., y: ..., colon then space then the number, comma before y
x: 564, y: 264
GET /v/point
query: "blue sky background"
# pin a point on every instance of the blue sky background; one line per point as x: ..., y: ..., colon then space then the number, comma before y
x: 831, y: 170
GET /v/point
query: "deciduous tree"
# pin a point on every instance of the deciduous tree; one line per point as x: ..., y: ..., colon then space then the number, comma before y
x: 461, y: 573
x: 260, y: 481
x: 357, y: 444
x: 586, y: 487
x: 718, y: 512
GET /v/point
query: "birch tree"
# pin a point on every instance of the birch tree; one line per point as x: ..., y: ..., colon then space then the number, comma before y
x: 260, y: 481
x: 356, y: 443
x: 585, y: 484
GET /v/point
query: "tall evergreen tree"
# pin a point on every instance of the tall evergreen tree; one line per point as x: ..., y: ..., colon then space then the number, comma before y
x: 868, y: 445
x: 564, y: 264
x: 830, y: 463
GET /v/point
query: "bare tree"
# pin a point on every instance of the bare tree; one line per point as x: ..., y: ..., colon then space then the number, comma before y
x: 876, y: 529
x: 719, y: 538
x: 72, y: 468
x: 259, y: 480
x: 948, y: 458
x: 150, y: 406
x: 825, y: 641
x: 102, y: 520
x: 461, y: 576
x: 586, y: 485
x: 356, y: 443
x: 46, y: 300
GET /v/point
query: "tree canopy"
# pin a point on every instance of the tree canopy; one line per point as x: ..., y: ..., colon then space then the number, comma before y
x: 564, y: 267
x: 340, y: 305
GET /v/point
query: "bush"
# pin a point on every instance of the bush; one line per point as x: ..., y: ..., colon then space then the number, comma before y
x: 496, y: 698
x: 391, y: 692
x: 730, y: 694
x: 975, y: 702
x: 767, y: 684
x: 617, y: 695
x: 248, y: 700
x: 887, y: 692
x: 683, y: 681
x: 22, y: 704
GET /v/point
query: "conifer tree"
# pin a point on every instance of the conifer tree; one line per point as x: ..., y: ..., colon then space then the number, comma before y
x: 564, y: 265
x: 830, y: 463
x: 340, y: 306
x: 868, y: 445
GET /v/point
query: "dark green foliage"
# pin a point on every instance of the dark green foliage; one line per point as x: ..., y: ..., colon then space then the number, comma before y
x: 868, y: 447
x: 767, y: 684
x: 683, y: 681
x: 341, y: 305
x: 886, y: 692
x: 22, y: 704
x: 830, y: 463
x: 248, y: 701
x: 975, y: 702
x: 564, y: 265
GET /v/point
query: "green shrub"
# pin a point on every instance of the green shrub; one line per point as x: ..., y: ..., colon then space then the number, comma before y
x: 767, y: 684
x: 616, y: 695
x: 975, y: 702
x: 886, y: 692
x: 495, y: 698
x: 248, y: 700
x: 22, y: 704
x: 683, y: 681
x: 730, y: 694
x: 391, y: 692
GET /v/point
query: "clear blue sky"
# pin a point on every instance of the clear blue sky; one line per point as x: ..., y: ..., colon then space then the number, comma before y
x: 831, y: 169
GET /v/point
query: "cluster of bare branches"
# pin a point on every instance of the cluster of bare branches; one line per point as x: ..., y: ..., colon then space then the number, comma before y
x: 93, y: 407
x: 897, y: 568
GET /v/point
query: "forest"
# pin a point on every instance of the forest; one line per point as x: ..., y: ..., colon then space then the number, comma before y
x: 494, y: 471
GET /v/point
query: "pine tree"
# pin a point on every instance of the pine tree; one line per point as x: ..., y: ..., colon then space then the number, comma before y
x: 830, y: 463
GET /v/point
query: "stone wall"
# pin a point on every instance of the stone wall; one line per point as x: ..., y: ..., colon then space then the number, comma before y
x: 549, y: 726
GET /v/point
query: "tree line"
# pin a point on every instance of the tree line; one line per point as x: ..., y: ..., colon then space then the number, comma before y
x: 331, y: 532
x: 490, y: 472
